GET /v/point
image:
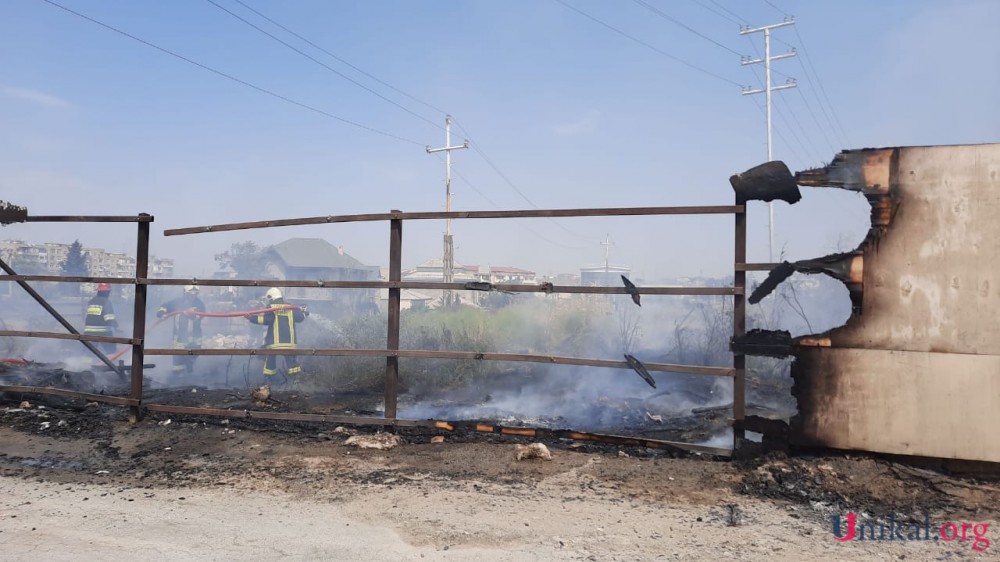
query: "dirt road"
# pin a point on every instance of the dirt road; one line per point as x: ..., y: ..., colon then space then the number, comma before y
x: 95, y: 486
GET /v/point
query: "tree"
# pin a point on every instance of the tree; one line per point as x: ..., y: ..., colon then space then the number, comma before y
x: 74, y: 266
x: 245, y: 258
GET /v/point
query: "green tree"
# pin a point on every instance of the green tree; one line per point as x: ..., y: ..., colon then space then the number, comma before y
x: 245, y: 258
x: 75, y: 265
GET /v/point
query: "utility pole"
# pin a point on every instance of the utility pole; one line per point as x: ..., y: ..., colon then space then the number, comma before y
x: 607, y: 253
x: 448, y: 263
x: 767, y: 89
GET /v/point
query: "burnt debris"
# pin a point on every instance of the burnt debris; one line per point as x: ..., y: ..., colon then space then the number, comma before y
x: 632, y: 290
x: 844, y: 267
x: 11, y: 213
x: 766, y: 182
x: 769, y: 343
x: 640, y: 369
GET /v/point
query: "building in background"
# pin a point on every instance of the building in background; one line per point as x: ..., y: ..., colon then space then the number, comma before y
x: 604, y: 275
x: 48, y: 259
x: 315, y: 259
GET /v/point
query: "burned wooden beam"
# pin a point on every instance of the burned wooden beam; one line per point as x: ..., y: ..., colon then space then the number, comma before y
x: 769, y: 343
x: 846, y: 267
x: 774, y: 278
x: 769, y: 428
x: 640, y: 369
x: 11, y: 213
x: 870, y: 172
x: 766, y: 182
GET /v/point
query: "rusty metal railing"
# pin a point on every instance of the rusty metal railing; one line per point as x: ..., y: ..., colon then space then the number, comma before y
x: 392, y: 352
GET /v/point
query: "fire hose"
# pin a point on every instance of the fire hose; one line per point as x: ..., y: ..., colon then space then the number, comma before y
x: 169, y: 315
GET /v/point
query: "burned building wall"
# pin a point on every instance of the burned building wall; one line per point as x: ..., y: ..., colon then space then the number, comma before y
x: 916, y: 369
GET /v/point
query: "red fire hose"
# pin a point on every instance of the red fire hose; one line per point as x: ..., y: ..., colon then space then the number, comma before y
x: 165, y: 317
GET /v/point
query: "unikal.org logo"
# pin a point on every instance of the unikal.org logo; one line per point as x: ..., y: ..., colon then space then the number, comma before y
x: 893, y: 528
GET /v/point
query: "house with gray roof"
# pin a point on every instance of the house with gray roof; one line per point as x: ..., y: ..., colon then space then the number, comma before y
x: 315, y: 259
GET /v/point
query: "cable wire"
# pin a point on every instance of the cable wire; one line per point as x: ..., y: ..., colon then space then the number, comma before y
x: 475, y: 146
x: 821, y: 88
x: 649, y: 46
x: 667, y: 17
x: 339, y: 59
x: 324, y: 65
x: 489, y: 161
x: 233, y: 78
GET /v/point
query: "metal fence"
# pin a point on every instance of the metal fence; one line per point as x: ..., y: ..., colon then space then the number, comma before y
x: 392, y: 351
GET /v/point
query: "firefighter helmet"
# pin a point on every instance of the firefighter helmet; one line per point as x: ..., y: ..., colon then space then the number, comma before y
x: 273, y: 294
x: 103, y: 288
x: 191, y: 289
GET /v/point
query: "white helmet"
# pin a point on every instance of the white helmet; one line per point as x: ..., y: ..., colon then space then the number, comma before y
x: 272, y: 294
x: 191, y: 289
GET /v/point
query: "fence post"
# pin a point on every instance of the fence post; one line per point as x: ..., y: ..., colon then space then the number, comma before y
x: 392, y: 339
x: 139, y: 316
x: 739, y: 321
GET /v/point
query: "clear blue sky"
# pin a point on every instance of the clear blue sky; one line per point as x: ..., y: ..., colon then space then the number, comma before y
x: 573, y: 114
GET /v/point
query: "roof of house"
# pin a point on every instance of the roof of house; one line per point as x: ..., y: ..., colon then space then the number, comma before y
x: 315, y: 253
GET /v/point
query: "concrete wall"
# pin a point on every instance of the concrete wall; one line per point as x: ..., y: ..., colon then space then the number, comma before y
x: 917, y: 370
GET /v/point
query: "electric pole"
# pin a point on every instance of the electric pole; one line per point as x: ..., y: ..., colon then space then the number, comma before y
x: 767, y: 89
x: 607, y: 253
x: 448, y: 263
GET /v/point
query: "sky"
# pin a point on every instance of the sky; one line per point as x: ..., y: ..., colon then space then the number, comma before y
x: 562, y: 111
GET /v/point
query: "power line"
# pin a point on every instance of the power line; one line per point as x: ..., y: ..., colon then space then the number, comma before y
x: 727, y: 10
x: 649, y: 46
x: 475, y: 146
x: 342, y: 61
x: 233, y: 78
x: 489, y: 161
x: 324, y: 65
x: 811, y: 149
x: 522, y: 221
x: 718, y: 13
x: 771, y: 4
x: 821, y: 88
x: 835, y: 126
x: 674, y: 21
x: 808, y: 150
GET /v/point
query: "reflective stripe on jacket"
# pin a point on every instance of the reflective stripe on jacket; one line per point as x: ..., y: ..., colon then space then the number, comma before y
x: 280, y: 325
x: 100, y: 316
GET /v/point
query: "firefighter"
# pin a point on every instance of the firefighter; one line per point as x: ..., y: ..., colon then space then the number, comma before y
x: 187, y: 327
x: 100, y: 319
x: 280, y: 322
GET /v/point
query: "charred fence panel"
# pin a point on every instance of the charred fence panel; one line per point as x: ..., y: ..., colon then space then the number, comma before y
x: 916, y: 370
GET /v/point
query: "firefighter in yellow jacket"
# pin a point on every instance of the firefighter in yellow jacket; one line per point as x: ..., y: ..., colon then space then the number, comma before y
x: 100, y: 320
x: 280, y: 322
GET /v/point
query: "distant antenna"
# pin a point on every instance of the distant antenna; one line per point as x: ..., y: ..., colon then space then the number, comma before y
x: 607, y: 252
x: 448, y: 263
x: 767, y: 89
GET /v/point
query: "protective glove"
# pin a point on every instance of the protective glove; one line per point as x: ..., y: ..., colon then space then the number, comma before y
x: 305, y: 311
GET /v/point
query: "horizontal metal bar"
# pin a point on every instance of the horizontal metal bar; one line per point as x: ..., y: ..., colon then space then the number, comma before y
x: 255, y: 414
x: 70, y: 218
x: 67, y: 218
x: 511, y: 288
x: 65, y: 336
x: 463, y: 355
x: 756, y: 266
x: 472, y: 425
x: 531, y: 213
x: 62, y: 279
x: 118, y: 400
